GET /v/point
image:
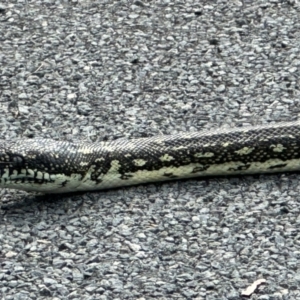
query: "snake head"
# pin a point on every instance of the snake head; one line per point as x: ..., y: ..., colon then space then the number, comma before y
x: 10, y: 157
x: 12, y: 164
x: 39, y: 165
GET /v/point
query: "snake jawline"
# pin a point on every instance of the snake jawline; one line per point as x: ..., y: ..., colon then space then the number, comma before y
x: 113, y: 179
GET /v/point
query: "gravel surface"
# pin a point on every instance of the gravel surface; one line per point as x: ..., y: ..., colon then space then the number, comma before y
x: 101, y: 70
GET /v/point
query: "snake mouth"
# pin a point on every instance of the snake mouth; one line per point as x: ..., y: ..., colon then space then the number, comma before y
x: 40, y: 182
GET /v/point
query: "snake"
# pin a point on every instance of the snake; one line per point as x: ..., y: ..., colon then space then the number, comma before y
x: 51, y: 166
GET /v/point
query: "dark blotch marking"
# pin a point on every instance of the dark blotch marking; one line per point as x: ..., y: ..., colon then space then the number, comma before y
x: 277, y: 166
x: 170, y: 175
x: 64, y: 183
x: 126, y: 176
x: 200, y: 169
x: 240, y: 168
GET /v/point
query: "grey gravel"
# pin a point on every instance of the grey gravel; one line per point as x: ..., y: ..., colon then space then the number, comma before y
x: 101, y: 70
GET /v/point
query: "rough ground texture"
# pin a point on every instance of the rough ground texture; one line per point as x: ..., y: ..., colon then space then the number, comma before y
x: 99, y: 70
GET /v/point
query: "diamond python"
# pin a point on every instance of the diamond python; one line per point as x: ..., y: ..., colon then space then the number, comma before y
x: 49, y: 166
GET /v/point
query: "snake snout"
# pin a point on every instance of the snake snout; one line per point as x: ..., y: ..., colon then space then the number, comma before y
x: 10, y: 160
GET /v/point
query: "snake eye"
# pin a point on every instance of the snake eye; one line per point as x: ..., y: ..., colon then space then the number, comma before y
x: 17, y: 160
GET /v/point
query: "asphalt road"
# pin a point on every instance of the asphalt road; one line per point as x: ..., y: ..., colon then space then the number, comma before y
x: 101, y: 70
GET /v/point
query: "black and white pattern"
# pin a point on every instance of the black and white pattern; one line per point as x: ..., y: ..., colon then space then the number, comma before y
x: 49, y: 166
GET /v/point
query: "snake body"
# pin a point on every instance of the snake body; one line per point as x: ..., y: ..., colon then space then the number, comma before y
x: 49, y: 166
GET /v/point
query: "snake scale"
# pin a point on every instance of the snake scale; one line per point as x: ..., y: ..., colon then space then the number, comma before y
x: 49, y: 166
